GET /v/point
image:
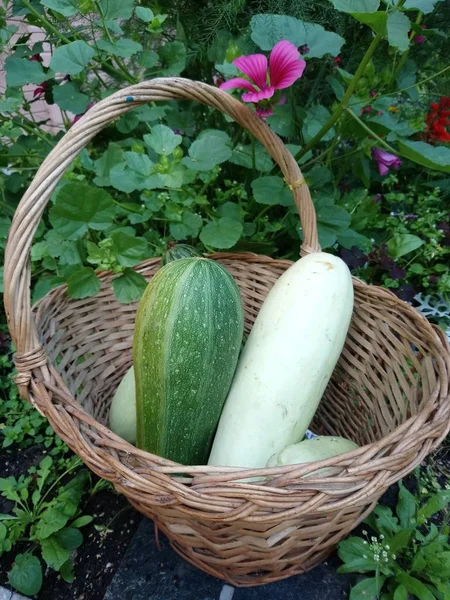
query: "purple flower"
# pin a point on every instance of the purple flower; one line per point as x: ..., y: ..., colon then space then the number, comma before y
x: 284, y: 68
x: 419, y: 39
x: 354, y: 258
x: 385, y: 160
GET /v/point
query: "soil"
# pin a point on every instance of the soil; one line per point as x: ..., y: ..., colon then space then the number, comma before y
x: 105, y: 539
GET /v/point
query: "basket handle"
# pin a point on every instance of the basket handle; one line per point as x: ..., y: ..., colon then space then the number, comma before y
x: 17, y: 275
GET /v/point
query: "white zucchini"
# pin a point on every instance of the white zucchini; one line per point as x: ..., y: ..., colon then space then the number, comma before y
x: 287, y: 362
x: 318, y: 448
x: 122, y: 415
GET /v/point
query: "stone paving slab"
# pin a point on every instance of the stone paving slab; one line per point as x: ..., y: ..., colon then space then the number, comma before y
x: 147, y: 573
x: 9, y: 595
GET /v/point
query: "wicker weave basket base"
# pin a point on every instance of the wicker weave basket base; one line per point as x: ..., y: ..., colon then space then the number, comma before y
x: 388, y: 393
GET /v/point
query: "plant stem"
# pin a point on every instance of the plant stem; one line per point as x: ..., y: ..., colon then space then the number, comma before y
x: 370, y: 132
x: 343, y: 104
x: 35, y: 131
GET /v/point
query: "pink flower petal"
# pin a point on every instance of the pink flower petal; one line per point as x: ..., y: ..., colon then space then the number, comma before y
x: 255, y: 67
x: 257, y: 96
x: 286, y: 66
x: 383, y: 169
x: 264, y: 112
x: 237, y: 82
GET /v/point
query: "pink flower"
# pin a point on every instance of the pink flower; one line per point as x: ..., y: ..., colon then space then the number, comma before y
x: 285, y: 67
x: 41, y: 89
x: 385, y: 160
x: 419, y: 39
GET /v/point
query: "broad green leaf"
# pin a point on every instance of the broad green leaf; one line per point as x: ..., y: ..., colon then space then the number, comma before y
x: 67, y: 8
x: 401, y: 593
x: 243, y: 156
x: 271, y: 191
x: 116, y: 9
x: 128, y: 122
x: 408, y: 77
x: 221, y: 234
x: 386, y: 521
x: 376, y: 20
x: 207, y: 151
x: 174, y: 178
x: 72, y: 58
x: 26, y: 574
x: 398, y: 27
x: 173, y: 58
x: 403, y: 243
x: 406, y: 506
x: 268, y: 30
x: 54, y: 554
x: 282, y: 121
x: 315, y: 118
x: 356, y: 556
x: 189, y: 226
x: 367, y: 589
x: 232, y: 210
x: 80, y: 207
x: 318, y: 176
x: 149, y: 59
x: 162, y: 139
x: 69, y: 538
x: 66, y: 572
x: 68, y: 97
x: 356, y: 6
x: 82, y: 521
x: 433, y: 157
x: 20, y: 71
x: 425, y: 6
x: 394, y: 123
x: 112, y: 157
x: 400, y: 540
x: 414, y: 586
x: 83, y: 283
x: 129, y: 286
x: 144, y: 14
x: 10, y: 104
x: 350, y: 238
x: 122, y: 47
x: 436, y: 503
x: 331, y: 219
x: 130, y: 251
x: 227, y: 68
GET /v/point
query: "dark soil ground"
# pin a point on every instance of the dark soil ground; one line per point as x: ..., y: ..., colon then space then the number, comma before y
x: 105, y: 539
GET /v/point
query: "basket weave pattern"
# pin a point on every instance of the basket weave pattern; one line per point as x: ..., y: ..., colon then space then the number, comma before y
x: 389, y: 392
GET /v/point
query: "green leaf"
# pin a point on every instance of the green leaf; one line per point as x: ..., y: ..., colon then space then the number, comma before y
x: 209, y: 150
x: 80, y: 207
x: 268, y: 30
x: 173, y: 58
x: 116, y: 9
x: 400, y: 540
x: 232, y: 210
x: 435, y: 504
x: 66, y: 572
x: 425, y: 6
x: 367, y: 589
x: 82, y: 521
x: 271, y: 191
x: 376, y: 20
x: 129, y: 286
x: 350, y: 238
x: 67, y: 8
x: 20, y: 71
x: 414, y: 586
x: 69, y: 538
x: 352, y: 552
x: 72, y: 58
x: 356, y: 6
x: 130, y: 251
x: 408, y: 77
x: 26, y: 574
x: 318, y: 176
x: 132, y: 175
x: 401, y: 593
x: 433, y: 157
x: 109, y: 159
x: 162, y: 139
x: 315, y: 118
x: 331, y: 219
x: 68, y: 97
x: 387, y: 523
x: 222, y: 234
x: 54, y: 554
x: 128, y: 122
x: 144, y: 14
x: 83, y: 283
x: 189, y: 226
x: 10, y: 104
x: 403, y: 243
x: 406, y: 506
x: 242, y: 156
x: 398, y: 27
x: 122, y: 47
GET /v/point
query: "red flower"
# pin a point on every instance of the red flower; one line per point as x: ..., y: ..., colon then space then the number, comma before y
x: 438, y: 121
x: 41, y: 89
x: 337, y: 59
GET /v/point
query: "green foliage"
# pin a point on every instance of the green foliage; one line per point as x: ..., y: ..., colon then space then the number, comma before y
x: 407, y: 551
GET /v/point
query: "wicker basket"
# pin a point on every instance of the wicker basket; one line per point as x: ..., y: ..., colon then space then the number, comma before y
x: 389, y: 392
